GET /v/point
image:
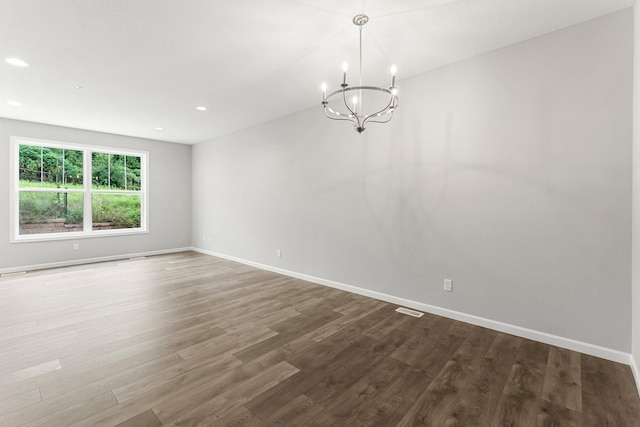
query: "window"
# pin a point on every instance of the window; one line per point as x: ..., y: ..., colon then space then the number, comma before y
x: 64, y: 190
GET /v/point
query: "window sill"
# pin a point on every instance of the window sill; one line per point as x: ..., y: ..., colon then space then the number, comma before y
x: 30, y: 238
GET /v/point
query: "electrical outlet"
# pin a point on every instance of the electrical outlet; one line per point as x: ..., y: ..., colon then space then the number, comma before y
x: 76, y: 246
x: 448, y: 285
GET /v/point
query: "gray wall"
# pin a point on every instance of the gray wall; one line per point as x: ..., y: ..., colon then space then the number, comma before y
x: 636, y: 197
x: 169, y: 199
x: 509, y: 173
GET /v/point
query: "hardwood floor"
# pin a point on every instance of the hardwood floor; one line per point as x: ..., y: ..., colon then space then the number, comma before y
x: 188, y: 339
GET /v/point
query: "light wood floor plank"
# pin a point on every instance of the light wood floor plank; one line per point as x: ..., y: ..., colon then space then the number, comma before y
x: 32, y: 371
x: 16, y: 402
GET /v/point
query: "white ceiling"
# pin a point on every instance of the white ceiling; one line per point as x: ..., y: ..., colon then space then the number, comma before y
x: 148, y: 63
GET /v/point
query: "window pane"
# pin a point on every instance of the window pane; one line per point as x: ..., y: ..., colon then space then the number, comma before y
x: 100, y: 171
x: 73, y: 169
x: 44, y: 212
x: 116, y: 211
x: 50, y: 167
x: 132, y: 173
x: 115, y: 172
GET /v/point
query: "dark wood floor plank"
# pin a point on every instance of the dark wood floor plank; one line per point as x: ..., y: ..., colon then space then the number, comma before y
x: 288, y: 330
x: 322, y: 420
x: 322, y: 376
x: 187, y: 339
x: 436, y: 403
x: 240, y: 417
x: 628, y: 389
x: 233, y: 342
x: 599, y: 377
x: 393, y: 403
x: 521, y: 401
x: 598, y: 412
x: 562, y: 380
x: 419, y: 344
x: 227, y: 401
x: 355, y: 329
x: 340, y: 323
x: 352, y: 403
x: 168, y: 409
x: 298, y: 412
x: 145, y: 419
x: 478, y: 402
x: 432, y: 356
x: 552, y: 415
x: 390, y: 325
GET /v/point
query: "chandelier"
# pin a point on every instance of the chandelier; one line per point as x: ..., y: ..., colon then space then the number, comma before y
x: 348, y: 102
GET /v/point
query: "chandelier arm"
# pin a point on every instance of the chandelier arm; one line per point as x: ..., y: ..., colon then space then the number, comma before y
x: 389, y: 115
x: 340, y: 117
x: 346, y: 103
x: 357, y: 119
x: 388, y: 110
x: 354, y: 115
x: 383, y: 110
x: 336, y: 115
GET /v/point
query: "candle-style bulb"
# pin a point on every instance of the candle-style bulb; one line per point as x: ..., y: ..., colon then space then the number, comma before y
x: 345, y: 66
x: 393, y: 70
x: 354, y: 100
x: 323, y: 87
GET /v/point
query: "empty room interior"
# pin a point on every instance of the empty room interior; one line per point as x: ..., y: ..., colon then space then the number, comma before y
x: 337, y: 213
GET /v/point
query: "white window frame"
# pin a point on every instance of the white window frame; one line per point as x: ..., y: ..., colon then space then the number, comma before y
x: 87, y: 191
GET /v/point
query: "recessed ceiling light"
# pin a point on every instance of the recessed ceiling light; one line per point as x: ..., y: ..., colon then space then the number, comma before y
x: 201, y: 108
x: 17, y: 62
x: 159, y: 129
x: 14, y: 103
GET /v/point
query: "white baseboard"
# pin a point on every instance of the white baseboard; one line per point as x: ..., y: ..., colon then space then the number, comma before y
x: 89, y: 260
x: 579, y: 346
x: 636, y: 372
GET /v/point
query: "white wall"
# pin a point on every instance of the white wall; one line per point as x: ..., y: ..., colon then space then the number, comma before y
x: 636, y: 200
x: 169, y: 200
x: 509, y: 173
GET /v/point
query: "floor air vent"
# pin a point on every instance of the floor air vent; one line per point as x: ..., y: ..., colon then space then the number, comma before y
x: 409, y: 312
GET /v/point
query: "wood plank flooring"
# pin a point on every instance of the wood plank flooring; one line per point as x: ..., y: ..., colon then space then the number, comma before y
x: 188, y: 339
